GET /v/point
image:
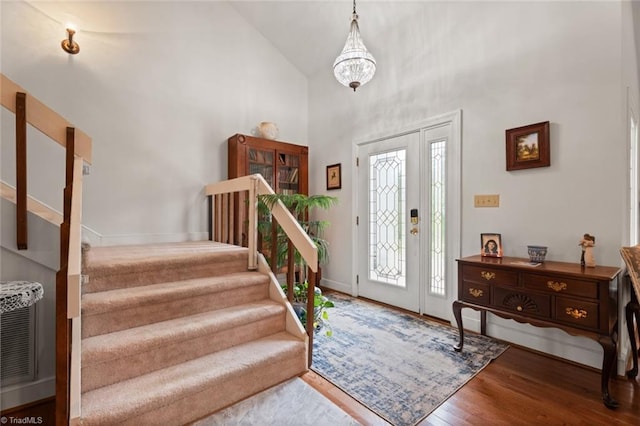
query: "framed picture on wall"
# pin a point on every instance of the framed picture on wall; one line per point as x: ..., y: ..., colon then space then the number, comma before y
x: 491, y: 245
x: 334, y: 176
x: 528, y: 146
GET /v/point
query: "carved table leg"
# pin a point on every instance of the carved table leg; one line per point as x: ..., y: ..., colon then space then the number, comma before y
x: 457, y: 313
x: 630, y: 309
x: 609, y: 348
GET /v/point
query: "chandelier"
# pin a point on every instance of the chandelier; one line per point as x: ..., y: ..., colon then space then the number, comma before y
x: 355, y: 66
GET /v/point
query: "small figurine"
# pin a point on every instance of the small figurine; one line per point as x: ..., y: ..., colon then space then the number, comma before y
x: 587, y: 243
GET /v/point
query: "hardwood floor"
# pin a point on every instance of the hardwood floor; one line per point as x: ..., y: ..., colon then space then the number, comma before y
x: 519, y: 388
x: 39, y: 412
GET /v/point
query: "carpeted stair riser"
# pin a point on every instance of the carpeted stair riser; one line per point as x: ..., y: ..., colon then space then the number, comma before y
x: 129, y: 353
x: 158, y: 271
x: 184, y: 393
x: 174, y: 332
x: 166, y: 305
x: 161, y: 272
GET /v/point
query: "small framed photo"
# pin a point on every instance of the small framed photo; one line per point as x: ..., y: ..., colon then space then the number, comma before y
x: 334, y: 176
x: 528, y: 146
x: 491, y: 245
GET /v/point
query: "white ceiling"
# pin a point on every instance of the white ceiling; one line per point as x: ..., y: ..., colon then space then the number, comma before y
x: 311, y: 33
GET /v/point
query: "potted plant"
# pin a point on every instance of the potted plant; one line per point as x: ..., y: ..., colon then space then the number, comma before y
x: 320, y: 303
x: 301, y: 207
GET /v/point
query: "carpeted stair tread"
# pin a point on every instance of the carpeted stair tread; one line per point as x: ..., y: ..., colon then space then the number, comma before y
x: 125, y: 298
x: 214, y: 378
x: 121, y: 355
x: 150, y: 337
x: 129, y: 266
x: 110, y: 257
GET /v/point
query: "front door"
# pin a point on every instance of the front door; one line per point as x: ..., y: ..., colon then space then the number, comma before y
x: 388, y: 243
x: 408, y: 217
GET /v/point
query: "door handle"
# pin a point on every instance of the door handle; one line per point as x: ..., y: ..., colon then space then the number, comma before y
x: 414, y: 231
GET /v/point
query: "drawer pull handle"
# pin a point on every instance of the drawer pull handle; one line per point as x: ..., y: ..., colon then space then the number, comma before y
x: 519, y: 308
x: 475, y: 292
x: 576, y: 313
x: 487, y: 275
x: 556, y: 286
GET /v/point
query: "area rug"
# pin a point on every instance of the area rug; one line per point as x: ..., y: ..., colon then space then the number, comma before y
x: 400, y: 366
x: 292, y: 403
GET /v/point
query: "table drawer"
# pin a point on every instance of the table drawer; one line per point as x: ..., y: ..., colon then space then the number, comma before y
x: 478, y: 293
x: 538, y: 305
x: 577, y: 312
x: 489, y: 275
x: 559, y: 285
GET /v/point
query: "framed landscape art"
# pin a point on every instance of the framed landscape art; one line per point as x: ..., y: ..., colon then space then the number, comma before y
x: 528, y: 146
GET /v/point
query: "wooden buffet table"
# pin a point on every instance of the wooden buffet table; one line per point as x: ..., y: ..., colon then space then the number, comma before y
x: 579, y: 300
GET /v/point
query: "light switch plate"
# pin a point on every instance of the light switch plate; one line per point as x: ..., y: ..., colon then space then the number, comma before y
x: 488, y: 200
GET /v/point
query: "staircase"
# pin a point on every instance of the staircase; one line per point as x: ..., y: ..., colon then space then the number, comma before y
x: 174, y: 332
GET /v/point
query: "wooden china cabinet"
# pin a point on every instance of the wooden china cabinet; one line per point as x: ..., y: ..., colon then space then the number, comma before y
x: 284, y: 166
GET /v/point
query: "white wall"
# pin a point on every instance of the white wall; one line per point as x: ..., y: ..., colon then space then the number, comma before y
x: 505, y: 64
x: 39, y: 264
x: 159, y: 86
x: 160, y: 100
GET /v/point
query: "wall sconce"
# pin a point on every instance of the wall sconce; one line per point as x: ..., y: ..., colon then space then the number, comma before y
x: 68, y: 45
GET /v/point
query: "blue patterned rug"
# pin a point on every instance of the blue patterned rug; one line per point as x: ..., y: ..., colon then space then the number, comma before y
x: 400, y: 366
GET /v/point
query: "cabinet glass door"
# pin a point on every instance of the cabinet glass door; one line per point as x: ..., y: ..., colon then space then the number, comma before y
x: 288, y: 173
x: 261, y: 162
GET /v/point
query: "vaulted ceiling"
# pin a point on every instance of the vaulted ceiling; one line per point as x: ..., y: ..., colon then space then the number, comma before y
x: 309, y: 33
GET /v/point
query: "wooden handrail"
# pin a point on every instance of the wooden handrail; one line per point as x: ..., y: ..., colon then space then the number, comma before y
x: 289, y: 224
x: 77, y: 144
x: 256, y: 185
x: 43, y: 118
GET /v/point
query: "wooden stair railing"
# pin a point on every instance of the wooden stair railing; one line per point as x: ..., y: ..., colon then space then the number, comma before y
x: 29, y: 110
x: 222, y: 213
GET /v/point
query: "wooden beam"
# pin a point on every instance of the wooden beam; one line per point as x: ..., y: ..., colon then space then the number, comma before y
x: 21, y: 170
x: 44, y: 118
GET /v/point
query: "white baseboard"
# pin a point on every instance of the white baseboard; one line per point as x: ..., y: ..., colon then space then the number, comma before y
x: 337, y: 286
x: 24, y: 393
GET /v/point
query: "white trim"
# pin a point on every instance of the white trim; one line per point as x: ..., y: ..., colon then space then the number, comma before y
x: 454, y: 193
x: 24, y: 393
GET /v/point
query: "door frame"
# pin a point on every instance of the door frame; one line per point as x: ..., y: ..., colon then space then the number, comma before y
x: 453, y: 203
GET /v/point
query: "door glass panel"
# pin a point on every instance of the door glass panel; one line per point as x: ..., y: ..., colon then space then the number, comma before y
x: 387, y: 222
x: 437, y: 236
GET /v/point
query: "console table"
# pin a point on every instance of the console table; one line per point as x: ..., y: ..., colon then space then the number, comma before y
x: 579, y: 300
